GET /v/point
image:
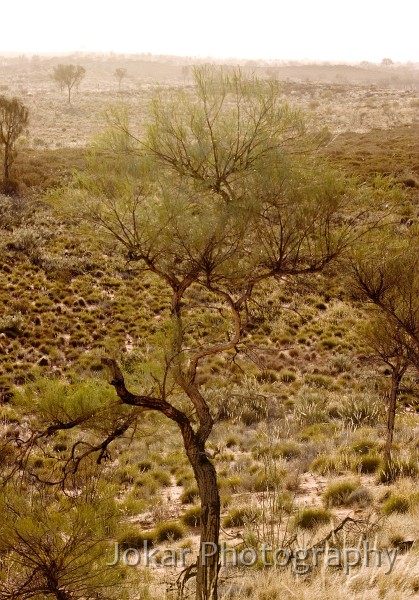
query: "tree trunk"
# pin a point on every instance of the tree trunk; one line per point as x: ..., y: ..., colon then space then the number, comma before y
x: 6, y: 162
x: 204, y: 471
x: 396, y: 378
x: 207, y: 566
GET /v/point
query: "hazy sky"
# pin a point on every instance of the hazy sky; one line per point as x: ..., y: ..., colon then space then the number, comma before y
x: 347, y: 30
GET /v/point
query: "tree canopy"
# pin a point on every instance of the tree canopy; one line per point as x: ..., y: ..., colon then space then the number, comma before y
x: 14, y: 117
x: 68, y: 76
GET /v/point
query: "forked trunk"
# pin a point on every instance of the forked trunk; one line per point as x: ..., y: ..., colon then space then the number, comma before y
x: 204, y: 471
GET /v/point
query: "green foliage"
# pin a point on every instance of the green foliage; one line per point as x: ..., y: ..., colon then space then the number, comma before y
x: 399, y: 467
x: 190, y: 495
x: 168, y: 532
x: 64, y: 546
x: 240, y: 516
x: 338, y: 493
x: 287, y: 376
x: 395, y: 504
x: 68, y: 76
x: 136, y: 539
x: 14, y: 117
x: 324, y: 464
x: 359, y: 410
x: 363, y: 446
x: 369, y: 463
x: 310, y: 407
x: 55, y: 401
x: 311, y: 518
x: 192, y: 517
x: 287, y: 450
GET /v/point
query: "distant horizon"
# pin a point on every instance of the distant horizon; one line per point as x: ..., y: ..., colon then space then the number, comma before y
x: 322, y: 31
x: 278, y: 62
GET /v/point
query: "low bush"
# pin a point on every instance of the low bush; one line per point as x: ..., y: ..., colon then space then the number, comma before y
x: 311, y: 518
x: 190, y: 495
x: 338, y: 493
x: 238, y: 517
x: 192, y: 517
x: 136, y: 539
x: 395, y: 504
x: 370, y: 463
x: 167, y: 532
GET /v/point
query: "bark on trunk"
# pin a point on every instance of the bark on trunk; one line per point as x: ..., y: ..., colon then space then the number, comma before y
x: 6, y: 162
x: 208, y: 559
x: 396, y: 378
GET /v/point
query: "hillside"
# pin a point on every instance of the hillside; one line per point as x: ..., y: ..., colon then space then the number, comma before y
x: 300, y: 403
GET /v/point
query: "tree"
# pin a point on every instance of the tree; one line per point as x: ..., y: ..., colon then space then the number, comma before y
x: 388, y: 341
x: 388, y: 277
x: 120, y: 74
x: 14, y: 117
x: 60, y: 552
x: 222, y: 193
x: 68, y: 76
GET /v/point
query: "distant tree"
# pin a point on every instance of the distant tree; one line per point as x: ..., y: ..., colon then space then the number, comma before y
x: 386, y: 62
x: 120, y: 74
x: 68, y: 76
x: 388, y: 277
x: 14, y: 117
x: 390, y: 343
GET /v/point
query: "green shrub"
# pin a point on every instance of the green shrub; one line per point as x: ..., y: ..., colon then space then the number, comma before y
x: 284, y: 502
x: 317, y: 432
x: 396, y: 504
x: 287, y: 450
x: 324, y: 464
x: 311, y: 518
x: 399, y: 468
x: 162, y: 477
x: 370, y: 463
x: 319, y: 381
x: 268, y: 481
x: 330, y: 343
x: 145, y: 465
x: 341, y: 363
x: 287, y: 376
x: 136, y: 539
x: 190, y: 495
x: 192, y: 517
x: 338, y: 493
x: 231, y: 442
x: 267, y: 376
x: 309, y: 408
x: 363, y: 446
x: 149, y: 483
x: 167, y: 532
x: 360, y: 410
x: 238, y: 517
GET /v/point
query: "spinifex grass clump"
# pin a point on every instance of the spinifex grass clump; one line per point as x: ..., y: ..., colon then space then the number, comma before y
x: 311, y: 518
x: 167, y: 532
x: 338, y: 493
